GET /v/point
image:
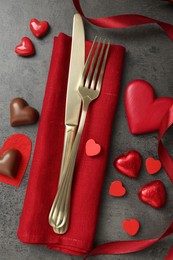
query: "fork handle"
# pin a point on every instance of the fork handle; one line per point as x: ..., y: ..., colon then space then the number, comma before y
x: 69, y: 136
x: 63, y: 203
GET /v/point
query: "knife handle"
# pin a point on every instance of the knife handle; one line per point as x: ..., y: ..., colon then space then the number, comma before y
x: 64, y: 192
x: 70, y: 132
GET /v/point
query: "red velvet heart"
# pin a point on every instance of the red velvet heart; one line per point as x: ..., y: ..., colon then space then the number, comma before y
x: 25, y: 48
x: 144, y: 112
x: 23, y: 144
x: 129, y: 163
x: 131, y: 226
x: 117, y: 189
x: 152, y: 165
x: 92, y: 148
x: 39, y: 28
x: 153, y: 194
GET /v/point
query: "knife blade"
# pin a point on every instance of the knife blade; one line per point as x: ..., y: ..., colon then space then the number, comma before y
x: 73, y: 101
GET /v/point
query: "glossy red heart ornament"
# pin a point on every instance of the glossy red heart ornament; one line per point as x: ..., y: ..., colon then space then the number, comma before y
x: 92, y: 148
x: 23, y: 144
x: 39, y: 28
x: 117, y: 189
x: 144, y: 112
x: 152, y: 165
x: 25, y: 48
x: 131, y: 226
x: 129, y: 163
x: 153, y: 194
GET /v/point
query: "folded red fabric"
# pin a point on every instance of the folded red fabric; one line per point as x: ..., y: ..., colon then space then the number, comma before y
x: 89, y: 171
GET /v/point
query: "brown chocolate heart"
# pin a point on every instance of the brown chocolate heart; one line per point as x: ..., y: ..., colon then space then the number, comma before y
x: 21, y: 113
x: 9, y: 162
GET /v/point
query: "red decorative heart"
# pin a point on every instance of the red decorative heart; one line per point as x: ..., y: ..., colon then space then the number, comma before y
x: 152, y: 165
x: 144, y: 112
x: 131, y: 226
x: 23, y: 144
x: 117, y: 189
x: 153, y: 194
x: 25, y: 48
x: 92, y: 148
x: 39, y: 28
x: 129, y: 163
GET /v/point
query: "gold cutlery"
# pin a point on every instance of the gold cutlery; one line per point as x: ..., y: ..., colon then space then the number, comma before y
x: 89, y: 89
x: 73, y: 101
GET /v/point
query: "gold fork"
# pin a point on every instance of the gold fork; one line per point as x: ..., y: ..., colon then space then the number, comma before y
x: 89, y: 90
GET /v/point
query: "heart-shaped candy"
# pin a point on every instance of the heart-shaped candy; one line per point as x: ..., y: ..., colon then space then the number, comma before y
x: 153, y: 194
x: 39, y: 28
x: 117, y: 189
x: 144, y: 112
x: 129, y: 163
x: 21, y: 113
x: 152, y: 165
x: 23, y: 145
x: 25, y: 48
x: 9, y: 162
x: 92, y: 148
x: 131, y: 226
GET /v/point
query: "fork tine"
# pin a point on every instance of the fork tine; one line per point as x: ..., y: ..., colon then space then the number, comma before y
x: 100, y: 78
x: 97, y: 66
x: 87, y: 62
x: 90, y: 72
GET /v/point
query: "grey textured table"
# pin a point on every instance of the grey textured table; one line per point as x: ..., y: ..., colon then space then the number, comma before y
x: 149, y: 55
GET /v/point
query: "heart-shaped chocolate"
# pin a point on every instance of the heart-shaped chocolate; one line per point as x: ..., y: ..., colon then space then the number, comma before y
x: 21, y: 113
x: 144, y: 112
x: 129, y: 163
x: 39, y: 28
x: 9, y: 162
x: 25, y: 48
x: 153, y: 194
x: 23, y: 144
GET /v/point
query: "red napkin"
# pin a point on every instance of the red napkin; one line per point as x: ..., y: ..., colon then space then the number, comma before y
x: 89, y: 171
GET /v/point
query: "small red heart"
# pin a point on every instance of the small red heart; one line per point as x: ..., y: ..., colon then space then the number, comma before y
x: 153, y: 194
x: 131, y: 226
x: 92, y: 148
x: 129, y: 163
x: 23, y: 144
x: 25, y: 48
x: 39, y: 28
x: 117, y: 189
x: 144, y: 112
x: 152, y: 165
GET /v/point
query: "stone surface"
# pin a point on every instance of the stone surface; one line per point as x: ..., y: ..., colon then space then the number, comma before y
x: 149, y: 56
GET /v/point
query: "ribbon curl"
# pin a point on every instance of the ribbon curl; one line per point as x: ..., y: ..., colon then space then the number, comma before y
x: 124, y: 21
x: 164, y: 156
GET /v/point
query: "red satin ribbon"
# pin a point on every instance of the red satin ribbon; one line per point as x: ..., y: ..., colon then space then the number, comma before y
x: 123, y: 21
x: 124, y: 247
x: 126, y: 20
x: 164, y: 156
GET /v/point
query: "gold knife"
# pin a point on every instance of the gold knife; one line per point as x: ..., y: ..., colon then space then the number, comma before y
x: 73, y: 101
